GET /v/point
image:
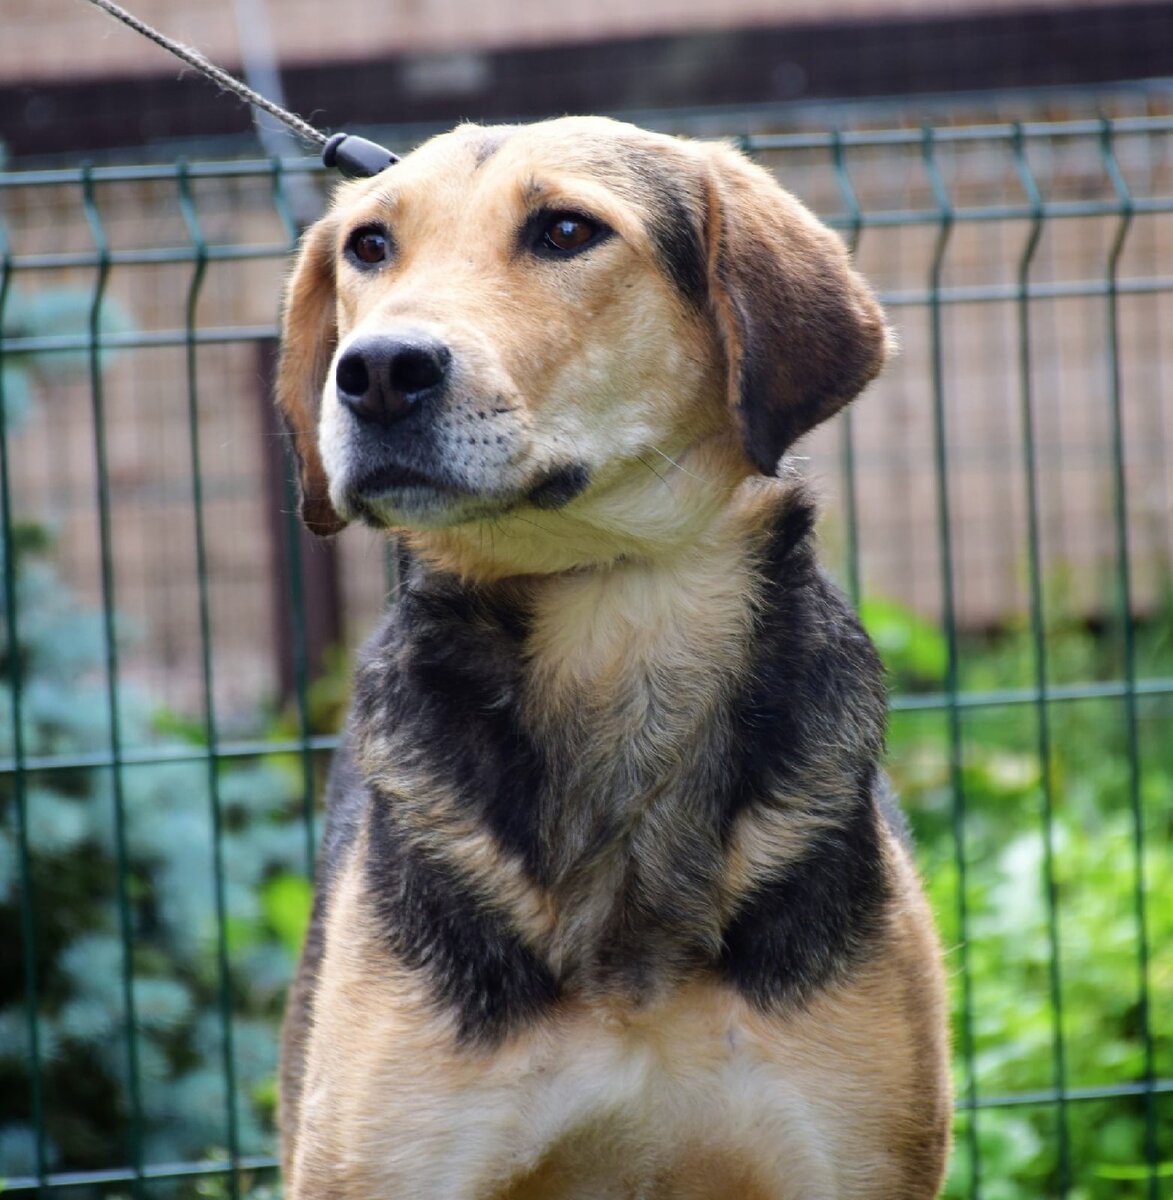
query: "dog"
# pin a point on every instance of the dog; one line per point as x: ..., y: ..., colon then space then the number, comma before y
x: 612, y: 900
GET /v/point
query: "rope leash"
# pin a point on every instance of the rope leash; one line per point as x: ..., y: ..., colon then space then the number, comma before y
x: 354, y: 157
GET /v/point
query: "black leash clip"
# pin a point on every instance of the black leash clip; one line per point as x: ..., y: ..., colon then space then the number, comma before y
x: 355, y: 157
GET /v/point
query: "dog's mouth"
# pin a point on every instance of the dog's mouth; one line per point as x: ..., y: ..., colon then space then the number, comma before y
x: 389, y: 478
x: 393, y: 494
x: 392, y: 491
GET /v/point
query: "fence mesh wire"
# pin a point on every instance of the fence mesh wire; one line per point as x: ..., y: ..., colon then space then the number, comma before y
x: 999, y: 504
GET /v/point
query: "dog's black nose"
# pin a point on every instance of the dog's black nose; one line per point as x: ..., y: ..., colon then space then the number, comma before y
x: 383, y: 379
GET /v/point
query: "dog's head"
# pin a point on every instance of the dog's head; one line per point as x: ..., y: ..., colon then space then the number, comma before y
x: 547, y: 345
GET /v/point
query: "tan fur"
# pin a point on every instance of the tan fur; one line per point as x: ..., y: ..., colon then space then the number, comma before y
x: 698, y: 1096
x: 643, y: 593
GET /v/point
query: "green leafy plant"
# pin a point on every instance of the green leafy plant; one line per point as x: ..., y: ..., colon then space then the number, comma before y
x: 1037, y: 969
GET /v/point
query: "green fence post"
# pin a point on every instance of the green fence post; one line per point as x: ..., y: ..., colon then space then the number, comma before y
x: 1124, y: 593
x: 199, y: 268
x: 1030, y: 467
x: 945, y: 218
x: 110, y: 636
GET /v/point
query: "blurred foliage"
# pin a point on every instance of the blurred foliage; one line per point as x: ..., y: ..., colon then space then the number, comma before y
x: 58, y: 312
x: 69, y: 863
x: 1013, y: 934
x: 169, y: 847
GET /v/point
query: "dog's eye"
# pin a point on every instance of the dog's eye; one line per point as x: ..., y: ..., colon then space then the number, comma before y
x: 370, y: 245
x: 567, y: 233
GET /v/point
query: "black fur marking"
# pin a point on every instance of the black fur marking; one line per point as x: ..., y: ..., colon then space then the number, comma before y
x: 560, y: 486
x: 816, y: 676
x: 675, y: 231
x: 816, y: 682
x: 680, y: 250
x: 454, y: 699
x: 477, y: 966
x: 798, y: 932
x: 348, y: 799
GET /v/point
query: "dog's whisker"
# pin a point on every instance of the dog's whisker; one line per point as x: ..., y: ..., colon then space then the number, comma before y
x: 679, y: 466
x: 643, y: 461
x: 516, y: 516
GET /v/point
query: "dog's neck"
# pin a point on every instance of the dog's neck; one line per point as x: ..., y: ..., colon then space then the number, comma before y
x: 678, y: 621
x: 639, y: 648
x: 651, y: 509
x: 611, y: 730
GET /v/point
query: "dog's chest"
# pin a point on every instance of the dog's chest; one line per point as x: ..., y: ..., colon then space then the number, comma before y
x: 630, y: 824
x: 602, y: 792
x: 665, y: 1102
x: 684, y: 1099
x: 696, y: 1095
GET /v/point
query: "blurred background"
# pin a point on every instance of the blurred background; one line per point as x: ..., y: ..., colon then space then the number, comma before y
x: 70, y: 81
x: 1000, y: 504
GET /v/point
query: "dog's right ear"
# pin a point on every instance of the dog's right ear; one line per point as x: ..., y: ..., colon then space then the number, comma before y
x: 309, y: 335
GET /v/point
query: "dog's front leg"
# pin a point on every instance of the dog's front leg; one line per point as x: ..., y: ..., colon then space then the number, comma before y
x: 391, y: 1103
x: 429, y: 1146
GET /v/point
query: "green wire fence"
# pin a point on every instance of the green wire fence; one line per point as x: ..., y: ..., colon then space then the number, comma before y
x: 999, y: 505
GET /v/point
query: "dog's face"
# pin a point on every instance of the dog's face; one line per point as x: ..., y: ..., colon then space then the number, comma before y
x: 542, y: 346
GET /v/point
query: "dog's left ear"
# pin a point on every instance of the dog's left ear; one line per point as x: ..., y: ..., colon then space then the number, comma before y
x: 309, y: 335
x: 802, y: 332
